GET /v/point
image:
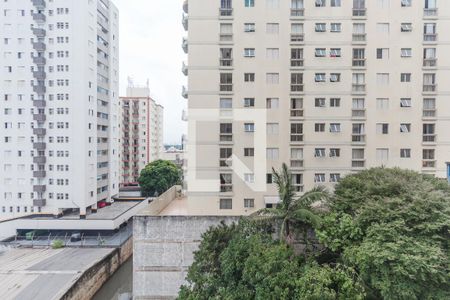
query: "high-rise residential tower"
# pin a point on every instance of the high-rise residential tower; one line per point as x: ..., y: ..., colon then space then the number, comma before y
x: 59, y: 105
x: 329, y: 87
x: 142, y: 132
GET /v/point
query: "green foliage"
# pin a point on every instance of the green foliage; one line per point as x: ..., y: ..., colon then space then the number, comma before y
x: 57, y: 244
x: 158, y: 176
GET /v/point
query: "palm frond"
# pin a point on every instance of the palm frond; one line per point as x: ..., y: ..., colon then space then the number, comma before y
x: 304, y: 216
x: 283, y: 181
x: 319, y: 193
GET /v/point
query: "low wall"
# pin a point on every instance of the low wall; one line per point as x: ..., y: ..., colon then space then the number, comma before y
x: 163, y: 250
x: 93, y: 278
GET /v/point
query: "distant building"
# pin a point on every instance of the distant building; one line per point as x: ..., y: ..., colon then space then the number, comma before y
x: 174, y: 155
x: 59, y: 106
x: 141, y: 133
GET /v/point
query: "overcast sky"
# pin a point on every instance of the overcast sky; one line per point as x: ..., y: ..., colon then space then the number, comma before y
x: 150, y: 48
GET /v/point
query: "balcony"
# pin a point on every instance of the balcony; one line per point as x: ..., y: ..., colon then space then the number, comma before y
x: 226, y: 37
x: 358, y: 138
x: 39, y: 202
x: 39, y: 75
x: 39, y: 89
x: 429, y: 113
x: 359, y: 63
x: 40, y: 131
x: 428, y: 163
x: 39, y: 46
x: 39, y: 146
x: 39, y: 174
x: 430, y: 62
x: 185, y: 22
x: 39, y: 160
x: 430, y: 12
x: 358, y: 163
x: 226, y: 62
x: 430, y: 37
x: 297, y: 37
x: 184, y: 45
x: 295, y: 63
x: 39, y: 32
x: 225, y: 11
x: 184, y: 92
x: 39, y: 188
x: 39, y: 103
x: 184, y: 116
x: 39, y: 17
x: 39, y: 118
x: 296, y: 163
x: 226, y: 137
x: 358, y: 113
x: 430, y: 88
x: 185, y: 6
x: 359, y: 12
x: 296, y: 137
x: 358, y: 88
x: 429, y: 138
x: 39, y: 60
x: 297, y: 12
x: 226, y: 188
x: 184, y: 68
x: 296, y: 113
x: 359, y: 38
x: 226, y: 87
x: 39, y: 4
x: 295, y: 88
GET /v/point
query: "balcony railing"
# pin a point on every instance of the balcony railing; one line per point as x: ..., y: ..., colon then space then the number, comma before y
x: 39, y: 89
x: 226, y: 137
x: 226, y: 37
x: 226, y: 188
x: 296, y: 113
x: 39, y: 188
x: 226, y: 87
x: 429, y: 62
x: 38, y: 17
x: 39, y: 174
x: 429, y: 113
x: 296, y: 137
x: 39, y: 75
x: 39, y: 4
x: 39, y: 46
x: 297, y: 12
x: 429, y: 138
x: 359, y: 12
x: 39, y: 118
x: 430, y: 37
x: 428, y: 163
x: 39, y: 103
x: 297, y: 62
x: 299, y: 188
x: 358, y: 163
x: 358, y: 138
x: 359, y: 37
x: 39, y: 32
x: 39, y: 202
x: 297, y: 37
x: 296, y: 163
x: 39, y: 131
x: 358, y: 88
x: 430, y: 12
x: 429, y: 88
x: 359, y: 62
x: 225, y: 11
x: 39, y: 160
x: 39, y: 60
x: 358, y: 113
x: 297, y: 87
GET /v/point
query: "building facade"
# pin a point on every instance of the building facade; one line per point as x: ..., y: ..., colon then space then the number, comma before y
x: 329, y: 87
x: 142, y: 133
x: 59, y: 105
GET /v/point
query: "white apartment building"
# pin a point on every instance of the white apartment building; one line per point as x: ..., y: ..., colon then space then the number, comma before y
x: 347, y: 85
x: 141, y: 132
x: 58, y: 105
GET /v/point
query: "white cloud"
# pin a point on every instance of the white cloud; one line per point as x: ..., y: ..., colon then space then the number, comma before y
x: 150, y: 48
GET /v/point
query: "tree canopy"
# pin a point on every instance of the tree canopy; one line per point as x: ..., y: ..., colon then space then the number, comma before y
x: 385, y: 235
x: 158, y: 176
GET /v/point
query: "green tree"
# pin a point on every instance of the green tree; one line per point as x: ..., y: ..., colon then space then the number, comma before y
x: 392, y: 226
x: 158, y: 177
x: 292, y: 211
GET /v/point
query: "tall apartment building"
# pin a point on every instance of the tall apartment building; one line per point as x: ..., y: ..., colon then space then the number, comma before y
x: 347, y: 85
x: 59, y: 105
x: 142, y: 133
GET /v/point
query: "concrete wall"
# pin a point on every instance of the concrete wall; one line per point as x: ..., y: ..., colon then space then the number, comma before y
x: 163, y: 250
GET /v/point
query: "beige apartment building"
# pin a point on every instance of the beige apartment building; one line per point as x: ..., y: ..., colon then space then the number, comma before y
x: 329, y: 87
x: 141, y: 132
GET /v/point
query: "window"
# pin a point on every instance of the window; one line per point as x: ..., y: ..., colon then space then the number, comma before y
x: 249, y: 27
x: 225, y: 154
x: 335, y: 27
x: 249, y: 77
x: 383, y: 27
x: 273, y: 4
x: 226, y: 57
x: 335, y: 127
x: 406, y: 3
x: 249, y: 127
x: 383, y: 3
x: 296, y: 107
x: 321, y: 27
x: 405, y: 153
x: 319, y: 127
x: 335, y: 152
x: 320, y: 77
x: 296, y: 32
x: 297, y: 8
x: 272, y: 28
x: 249, y: 152
x: 320, y: 3
x: 296, y: 158
x: 272, y: 53
x: 335, y: 3
x: 429, y: 32
x: 319, y: 102
x: 269, y: 179
x: 405, y: 127
x: 405, y: 77
x: 429, y: 107
x: 335, y: 77
x: 320, y: 177
x: 321, y: 52
x: 226, y: 82
x: 406, y: 52
x: 249, y: 3
x: 335, y: 102
x: 272, y: 153
x: 382, y: 103
x: 382, y: 78
x: 429, y: 131
x: 429, y: 82
x: 428, y: 156
x: 405, y: 102
x: 272, y: 78
x: 249, y: 102
x: 335, y: 177
x: 272, y: 103
x: 249, y: 52
x: 249, y: 203
x: 406, y: 27
x: 382, y: 53
x: 273, y: 128
x: 226, y: 204
x: 249, y: 177
x: 335, y: 52
x: 382, y: 154
x: 319, y: 152
x: 296, y: 132
x: 226, y: 103
x: 226, y: 32
x: 226, y: 132
x: 226, y: 183
x: 296, y: 57
x: 382, y: 128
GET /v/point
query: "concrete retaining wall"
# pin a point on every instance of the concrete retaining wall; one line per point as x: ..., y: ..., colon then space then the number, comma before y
x: 163, y: 250
x: 93, y: 278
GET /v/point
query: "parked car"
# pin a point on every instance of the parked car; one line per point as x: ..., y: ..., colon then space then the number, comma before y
x: 75, y: 237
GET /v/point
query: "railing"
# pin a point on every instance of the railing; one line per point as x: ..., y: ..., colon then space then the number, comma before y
x: 39, y: 131
x: 429, y: 62
x: 429, y: 88
x: 299, y: 188
x: 358, y: 138
x: 226, y: 188
x: 358, y: 113
x: 226, y: 62
x: 430, y: 12
x: 296, y: 137
x: 359, y: 12
x: 297, y: 87
x: 39, y: 159
x: 39, y: 60
x: 225, y: 11
x: 226, y: 137
x: 297, y: 37
x: 297, y: 113
x: 297, y: 12
x: 429, y: 138
x: 226, y: 37
x: 225, y: 162
x: 297, y: 62
x: 429, y: 113
x: 430, y: 37
x: 296, y: 163
x: 359, y: 62
x: 38, y: 17
x: 358, y: 88
x: 226, y: 87
x: 428, y: 163
x: 360, y: 163
x: 39, y: 117
x: 359, y: 37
